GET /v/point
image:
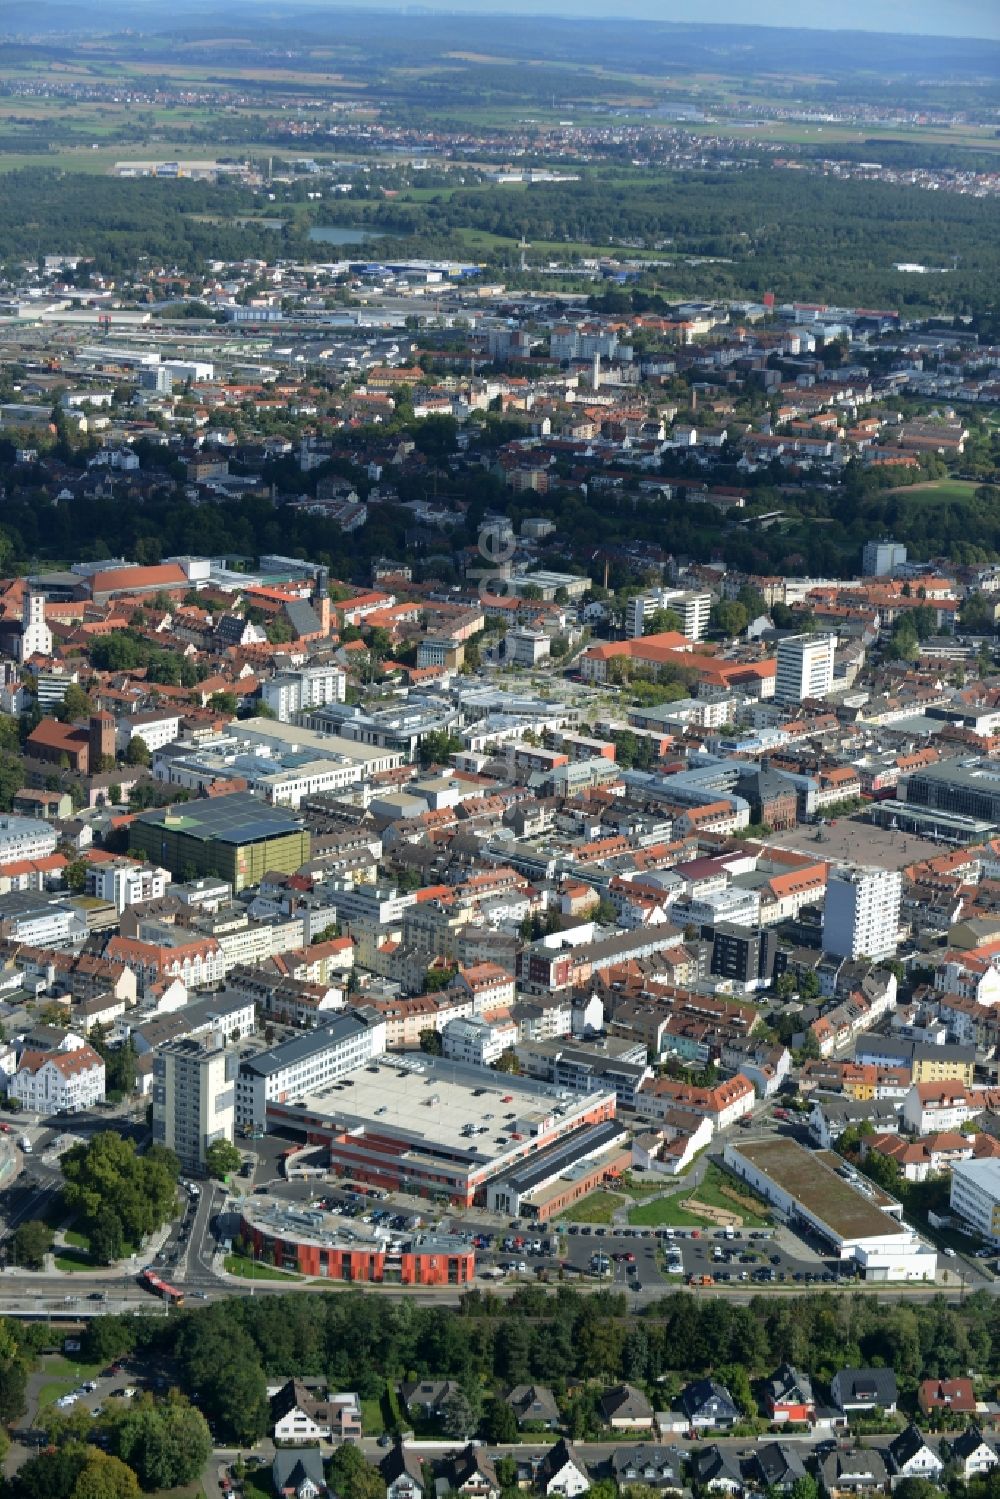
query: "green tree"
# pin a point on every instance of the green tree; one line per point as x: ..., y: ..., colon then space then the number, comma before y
x: 661, y: 621
x: 224, y: 702
x: 107, y: 1174
x: 458, y: 1419
x: 107, y: 1238
x: 137, y: 751
x: 221, y: 1158
x: 351, y: 1477
x: 75, y: 875
x: 32, y: 1242
x: 499, y: 1422
x: 729, y: 616
x: 437, y: 746
x: 105, y: 1477
x: 75, y: 704
x: 430, y: 1042
x: 167, y: 1442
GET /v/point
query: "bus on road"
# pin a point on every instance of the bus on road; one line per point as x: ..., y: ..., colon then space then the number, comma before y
x: 162, y: 1288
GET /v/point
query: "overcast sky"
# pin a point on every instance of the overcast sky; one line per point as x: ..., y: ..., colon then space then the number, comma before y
x: 929, y: 17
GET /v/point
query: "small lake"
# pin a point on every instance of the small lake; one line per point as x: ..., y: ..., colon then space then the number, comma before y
x: 334, y: 234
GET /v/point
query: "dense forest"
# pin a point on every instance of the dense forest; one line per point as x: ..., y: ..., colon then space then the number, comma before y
x: 800, y: 236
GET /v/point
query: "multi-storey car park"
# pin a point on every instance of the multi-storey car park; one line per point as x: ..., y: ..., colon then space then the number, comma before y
x: 442, y: 1130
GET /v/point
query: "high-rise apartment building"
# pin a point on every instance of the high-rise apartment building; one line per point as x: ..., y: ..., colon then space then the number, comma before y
x: 861, y: 914
x: 194, y: 1096
x: 805, y: 667
x: 693, y: 609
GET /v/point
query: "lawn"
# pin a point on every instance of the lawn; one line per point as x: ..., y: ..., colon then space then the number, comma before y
x: 247, y: 1270
x: 948, y: 490
x: 72, y: 1261
x: 667, y: 1212
x: 599, y: 1207
x: 67, y: 1374
x: 372, y: 1418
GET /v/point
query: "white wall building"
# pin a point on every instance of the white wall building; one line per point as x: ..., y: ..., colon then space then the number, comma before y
x: 47, y: 1081
x: 975, y: 1196
x: 805, y: 667
x: 25, y: 838
x: 126, y: 884
x: 477, y: 1042
x: 154, y: 729
x: 307, y: 1063
x: 312, y: 687
x: 524, y: 647
x: 861, y: 912
x: 693, y: 608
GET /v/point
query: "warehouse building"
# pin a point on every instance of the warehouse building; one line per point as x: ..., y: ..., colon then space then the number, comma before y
x: 859, y: 1222
x: 236, y: 837
x: 433, y: 1127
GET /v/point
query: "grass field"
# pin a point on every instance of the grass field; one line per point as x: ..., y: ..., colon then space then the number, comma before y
x: 246, y: 1270
x: 940, y: 489
x: 599, y: 1207
x: 72, y: 1260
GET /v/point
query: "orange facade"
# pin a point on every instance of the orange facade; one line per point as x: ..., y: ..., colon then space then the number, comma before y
x: 362, y: 1265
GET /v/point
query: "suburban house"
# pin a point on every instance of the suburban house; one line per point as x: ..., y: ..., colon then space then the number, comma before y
x: 773, y: 1467
x: 427, y: 1398
x: 708, y: 1404
x: 971, y: 1453
x: 402, y: 1473
x: 861, y: 1471
x: 656, y: 1467
x: 909, y: 1456
x: 297, y: 1473
x: 471, y: 1472
x: 298, y: 1415
x: 533, y: 1402
x: 789, y: 1395
x: 562, y: 1471
x: 713, y: 1469
x: 946, y: 1395
x: 864, y: 1390
x: 626, y: 1409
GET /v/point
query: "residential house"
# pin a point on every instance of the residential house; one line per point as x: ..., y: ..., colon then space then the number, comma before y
x: 298, y: 1415
x: 864, y: 1390
x: 655, y: 1467
x: 562, y: 1471
x: 909, y: 1456
x: 971, y: 1453
x: 773, y: 1467
x: 708, y: 1404
x: 626, y: 1409
x: 470, y: 1472
x: 427, y: 1398
x: 844, y: 1474
x: 788, y: 1395
x: 713, y: 1469
x: 946, y: 1395
x: 53, y: 1081
x: 533, y: 1404
x: 297, y: 1473
x: 402, y: 1472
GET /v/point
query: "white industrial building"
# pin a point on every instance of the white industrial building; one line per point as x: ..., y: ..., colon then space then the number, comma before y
x: 855, y: 1218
